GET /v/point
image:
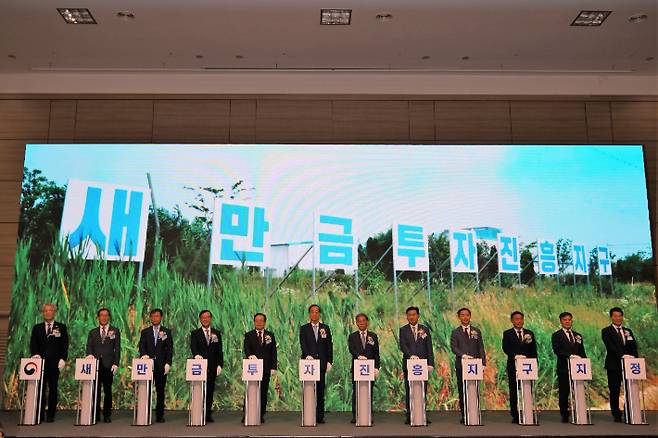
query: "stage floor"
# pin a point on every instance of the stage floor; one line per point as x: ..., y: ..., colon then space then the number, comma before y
x: 286, y: 424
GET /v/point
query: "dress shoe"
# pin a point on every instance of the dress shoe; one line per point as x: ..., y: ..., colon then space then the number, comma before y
x: 353, y: 420
x: 160, y: 420
x: 209, y: 420
x: 320, y: 421
x: 107, y: 420
x: 262, y: 420
x: 50, y: 420
x: 407, y: 421
x: 617, y: 419
x: 565, y: 419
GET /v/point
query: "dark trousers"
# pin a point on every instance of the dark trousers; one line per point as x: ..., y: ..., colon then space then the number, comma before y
x: 513, y: 401
x: 50, y: 378
x: 210, y: 389
x: 614, y: 386
x: 160, y: 381
x: 264, y: 387
x: 319, y: 407
x: 105, y: 378
x: 460, y: 388
x: 372, y: 391
x: 564, y: 390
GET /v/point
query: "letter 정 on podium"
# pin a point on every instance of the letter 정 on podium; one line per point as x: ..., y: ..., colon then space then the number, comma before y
x: 142, y: 377
x: 252, y: 375
x: 31, y: 373
x: 309, y: 375
x: 417, y: 373
x: 86, y: 372
x: 580, y: 372
x: 364, y: 375
x: 472, y: 374
x: 634, y: 374
x: 196, y: 373
x: 526, y: 374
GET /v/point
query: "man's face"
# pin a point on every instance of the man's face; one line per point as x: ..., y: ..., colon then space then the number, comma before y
x: 617, y: 318
x: 205, y: 318
x: 362, y: 323
x: 314, y: 314
x: 517, y: 321
x: 259, y: 322
x: 104, y: 317
x: 412, y: 317
x: 465, y: 317
x: 48, y: 312
x: 566, y: 322
x: 155, y: 318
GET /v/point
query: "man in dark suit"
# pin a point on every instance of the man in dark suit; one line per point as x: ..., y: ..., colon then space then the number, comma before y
x: 415, y: 343
x: 104, y: 344
x: 566, y: 344
x: 50, y: 342
x: 315, y: 341
x: 363, y: 344
x: 619, y: 343
x: 261, y: 344
x: 155, y: 342
x: 206, y: 343
x: 518, y: 342
x: 466, y: 343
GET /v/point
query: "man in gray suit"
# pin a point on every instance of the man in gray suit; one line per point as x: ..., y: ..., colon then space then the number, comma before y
x: 466, y: 343
x: 104, y: 344
x: 415, y: 343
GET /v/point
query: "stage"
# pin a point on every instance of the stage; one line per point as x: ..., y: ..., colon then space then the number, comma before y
x: 286, y: 424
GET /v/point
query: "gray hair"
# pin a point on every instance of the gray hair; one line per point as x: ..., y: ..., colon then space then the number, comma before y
x: 48, y: 305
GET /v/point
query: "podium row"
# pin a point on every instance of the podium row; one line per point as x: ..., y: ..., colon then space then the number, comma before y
x: 580, y: 373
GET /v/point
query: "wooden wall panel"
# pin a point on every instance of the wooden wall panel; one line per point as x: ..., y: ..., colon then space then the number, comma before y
x: 8, y: 232
x: 293, y: 121
x: 548, y: 122
x: 22, y: 119
x: 243, y: 121
x: 473, y: 122
x: 421, y: 122
x: 6, y: 279
x: 599, y: 122
x: 114, y: 120
x: 191, y: 121
x: 635, y: 122
x: 10, y: 193
x: 369, y: 121
x: 12, y: 155
x: 62, y: 120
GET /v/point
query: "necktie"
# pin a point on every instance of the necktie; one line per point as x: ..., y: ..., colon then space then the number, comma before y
x: 49, y: 330
x: 207, y: 336
x: 260, y: 337
x: 415, y: 330
x: 466, y: 332
x: 363, y: 340
x: 102, y: 334
x: 621, y: 335
x: 570, y: 336
x: 155, y: 334
x: 315, y: 331
x: 518, y: 335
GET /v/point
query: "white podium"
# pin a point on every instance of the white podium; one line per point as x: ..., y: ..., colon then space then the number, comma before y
x: 580, y: 373
x: 472, y: 374
x: 196, y: 373
x: 417, y: 375
x: 526, y: 375
x: 31, y: 373
x: 252, y: 375
x: 364, y: 375
x: 86, y: 372
x: 309, y: 375
x: 142, y: 377
x: 633, y: 375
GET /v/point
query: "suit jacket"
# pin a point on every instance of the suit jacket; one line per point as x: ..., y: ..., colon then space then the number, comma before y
x: 161, y: 351
x: 615, y: 347
x: 563, y: 348
x: 265, y: 351
x: 51, y: 348
x: 322, y: 349
x: 421, y: 346
x: 107, y: 351
x: 372, y: 347
x: 472, y: 345
x: 212, y: 352
x: 512, y: 346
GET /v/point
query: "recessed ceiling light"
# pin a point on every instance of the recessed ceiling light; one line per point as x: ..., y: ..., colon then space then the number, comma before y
x: 465, y: 58
x: 126, y: 15
x: 425, y: 57
x: 649, y: 58
x: 335, y: 16
x: 11, y: 56
x: 638, y: 18
x: 590, y: 18
x: 198, y: 56
x: 239, y: 57
x: 76, y: 15
x: 384, y: 16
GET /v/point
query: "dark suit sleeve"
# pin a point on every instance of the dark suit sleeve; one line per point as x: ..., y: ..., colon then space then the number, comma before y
x: 246, y: 348
x: 610, y: 344
x: 507, y: 347
x: 274, y: 353
x: 169, y: 358
x: 117, y: 348
x: 90, y: 343
x: 193, y: 347
x: 220, y: 360
x: 142, y: 344
x: 65, y: 342
x: 430, y: 349
x: 404, y: 346
x: 581, y: 347
x: 559, y: 347
x: 377, y: 359
x: 633, y: 346
x: 302, y: 343
x: 533, y: 347
x: 34, y: 341
x: 351, y: 346
x: 483, y: 354
x: 330, y: 347
x: 455, y: 345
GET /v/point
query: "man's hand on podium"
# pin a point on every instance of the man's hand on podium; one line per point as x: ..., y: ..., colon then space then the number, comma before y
x: 329, y: 366
x: 90, y: 356
x: 145, y: 356
x: 413, y: 357
x: 574, y: 356
x: 628, y: 356
x: 253, y: 356
x: 272, y: 372
x: 36, y: 356
x: 430, y: 368
x: 376, y: 372
x: 167, y: 368
x: 219, y: 370
x: 362, y: 357
x: 309, y: 357
x: 61, y: 364
x: 114, y: 369
x: 519, y: 356
x: 198, y: 356
x: 467, y: 356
